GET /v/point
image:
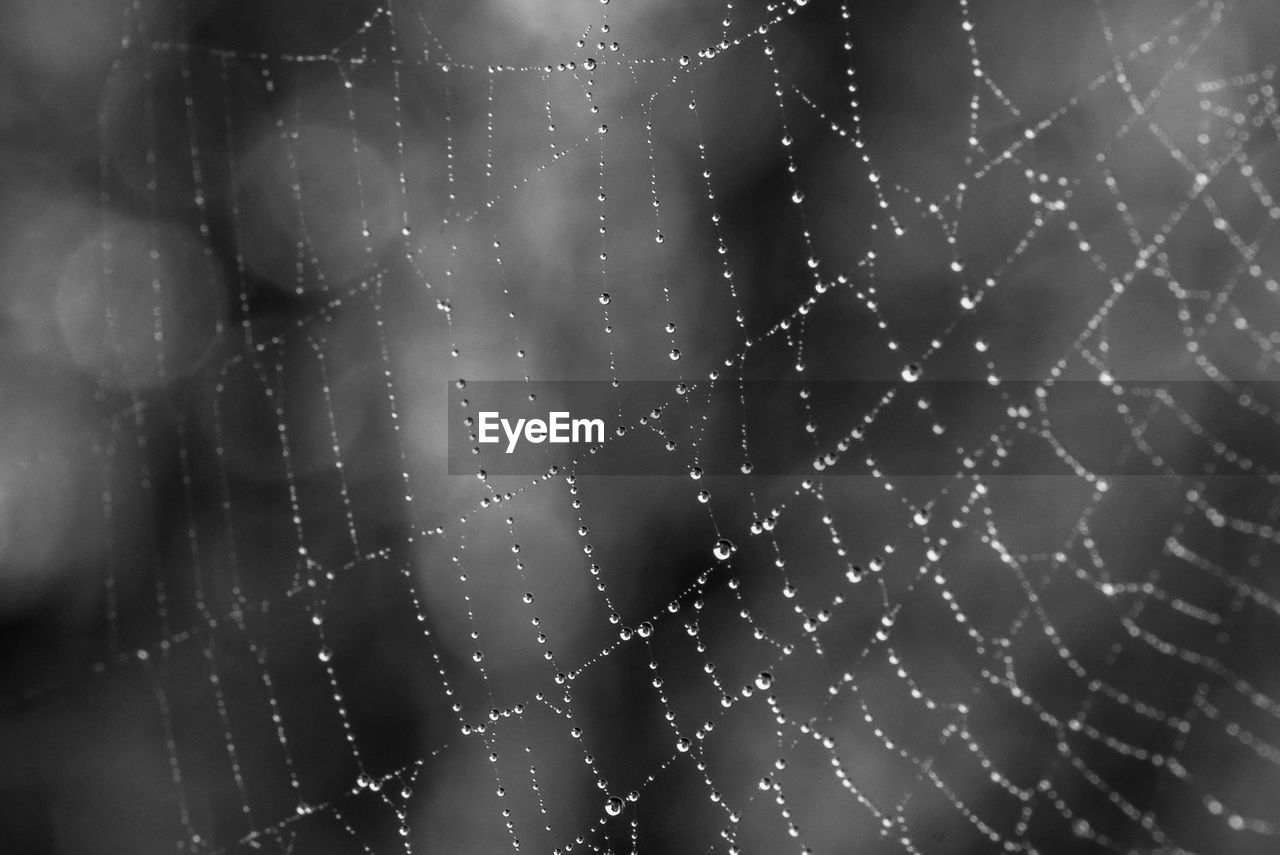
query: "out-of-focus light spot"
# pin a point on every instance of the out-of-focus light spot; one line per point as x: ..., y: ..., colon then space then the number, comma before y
x: 139, y: 304
x: 38, y: 228
x: 319, y: 208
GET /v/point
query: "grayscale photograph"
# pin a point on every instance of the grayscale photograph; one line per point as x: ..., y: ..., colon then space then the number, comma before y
x: 631, y: 427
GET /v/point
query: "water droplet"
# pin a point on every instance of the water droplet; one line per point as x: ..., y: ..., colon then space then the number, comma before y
x: 764, y: 680
x: 605, y: 299
x: 674, y: 354
x: 603, y: 129
x: 613, y: 807
x: 589, y: 63
x: 325, y: 654
x: 723, y: 549
x: 911, y: 372
x: 704, y: 496
x: 683, y: 745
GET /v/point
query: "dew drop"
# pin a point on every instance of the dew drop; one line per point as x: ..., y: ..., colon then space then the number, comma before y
x: 723, y: 549
x: 911, y: 372
x: 764, y: 680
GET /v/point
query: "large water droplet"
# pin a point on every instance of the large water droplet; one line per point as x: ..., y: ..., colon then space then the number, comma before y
x: 764, y: 680
x: 911, y: 372
x: 613, y: 807
x: 723, y: 549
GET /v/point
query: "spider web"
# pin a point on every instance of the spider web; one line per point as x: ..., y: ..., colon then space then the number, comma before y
x: 253, y: 612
